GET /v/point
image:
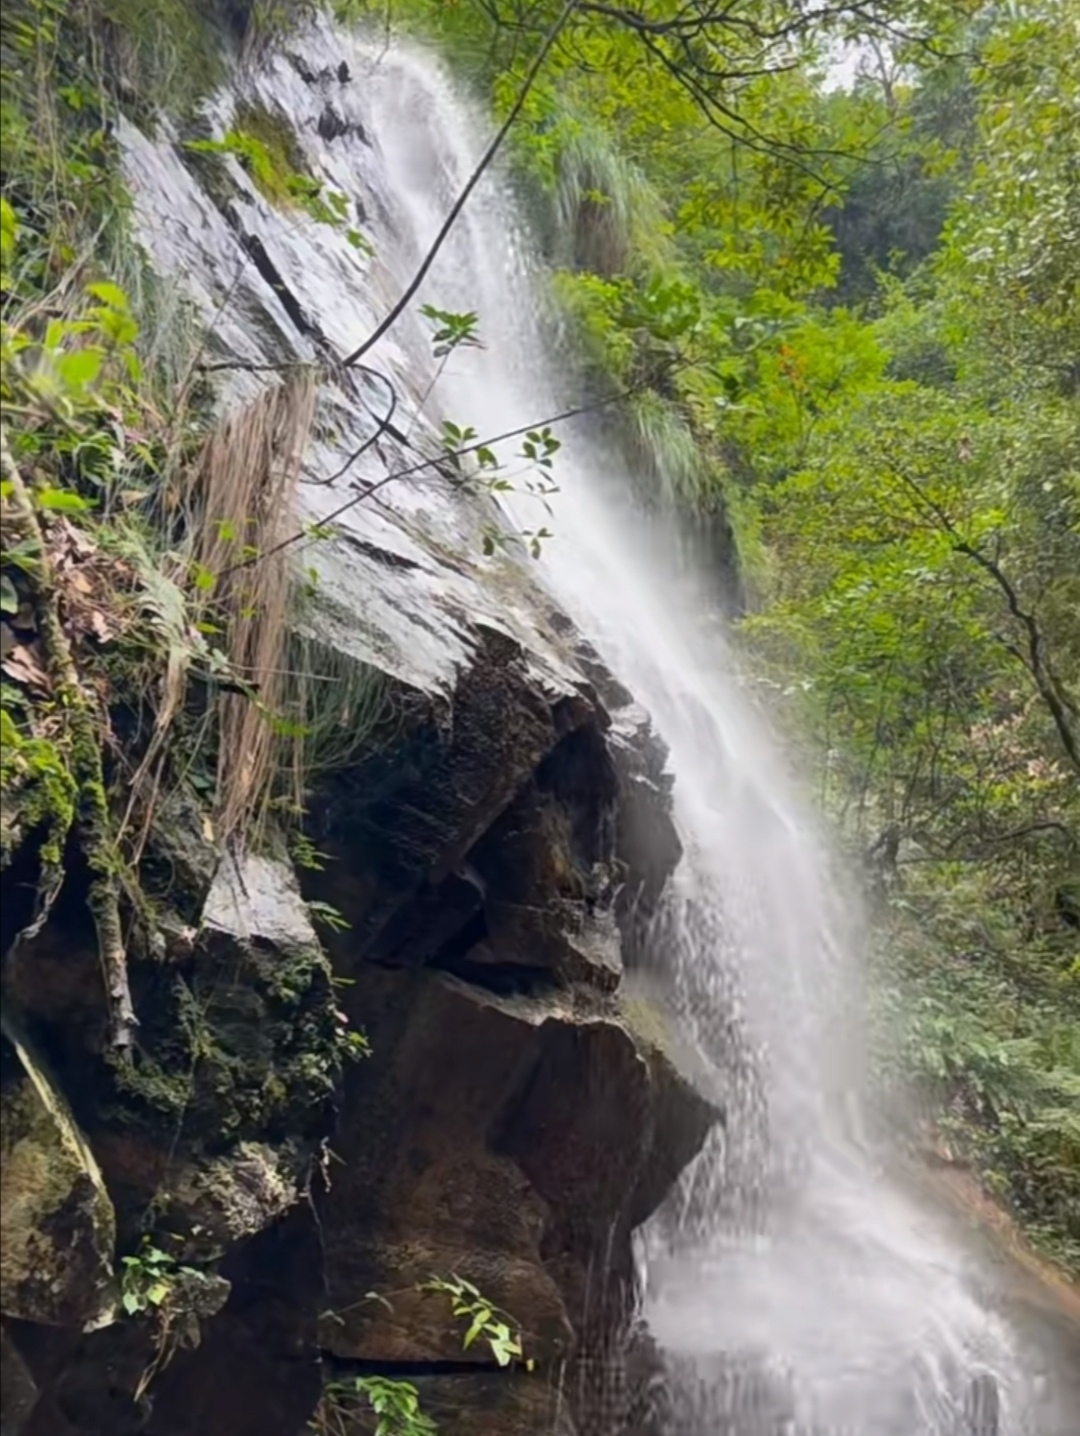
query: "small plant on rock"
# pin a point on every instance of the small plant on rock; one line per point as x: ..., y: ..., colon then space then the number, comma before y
x: 173, y: 1297
x: 150, y: 1277
x: 484, y: 1320
x: 396, y: 1405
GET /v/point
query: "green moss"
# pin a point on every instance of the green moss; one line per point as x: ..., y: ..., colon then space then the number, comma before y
x: 170, y: 53
x: 648, y: 1022
x: 153, y: 1086
x: 244, y: 1043
x: 270, y: 153
x: 38, y: 791
x: 59, y: 1227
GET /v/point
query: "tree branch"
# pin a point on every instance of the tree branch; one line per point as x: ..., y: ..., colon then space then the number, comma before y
x: 1035, y: 659
x: 91, y: 816
x: 470, y: 184
x: 423, y: 465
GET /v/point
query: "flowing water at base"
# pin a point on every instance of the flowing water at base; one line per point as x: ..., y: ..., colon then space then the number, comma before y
x: 794, y: 1288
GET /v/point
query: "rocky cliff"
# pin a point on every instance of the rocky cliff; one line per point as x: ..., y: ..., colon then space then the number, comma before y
x: 210, y: 1233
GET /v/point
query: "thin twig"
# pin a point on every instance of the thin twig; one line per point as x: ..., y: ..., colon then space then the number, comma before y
x: 434, y: 463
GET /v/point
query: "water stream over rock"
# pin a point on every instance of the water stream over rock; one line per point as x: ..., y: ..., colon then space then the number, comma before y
x: 784, y: 1243
x: 792, y: 1288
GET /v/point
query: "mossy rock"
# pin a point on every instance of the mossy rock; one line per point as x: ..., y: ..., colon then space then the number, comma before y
x: 57, y: 1225
x: 37, y: 790
x: 241, y: 1038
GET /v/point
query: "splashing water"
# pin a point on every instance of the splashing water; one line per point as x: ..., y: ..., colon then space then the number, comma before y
x: 796, y: 1291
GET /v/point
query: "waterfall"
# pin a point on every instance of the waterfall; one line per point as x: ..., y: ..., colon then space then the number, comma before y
x: 786, y: 1256
x: 783, y: 1242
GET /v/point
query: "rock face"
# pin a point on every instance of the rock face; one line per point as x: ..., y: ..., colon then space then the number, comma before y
x: 490, y: 857
x: 512, y: 1126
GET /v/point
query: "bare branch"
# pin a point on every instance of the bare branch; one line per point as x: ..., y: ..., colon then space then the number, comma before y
x: 470, y: 184
x: 1033, y: 657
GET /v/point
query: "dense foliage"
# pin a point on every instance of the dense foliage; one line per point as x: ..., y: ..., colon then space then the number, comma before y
x: 837, y: 256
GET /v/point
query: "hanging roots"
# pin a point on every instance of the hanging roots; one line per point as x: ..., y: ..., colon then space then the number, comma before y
x: 244, y: 489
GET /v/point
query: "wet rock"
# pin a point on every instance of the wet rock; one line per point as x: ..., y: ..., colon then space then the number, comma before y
x: 256, y: 902
x: 254, y: 998
x: 494, y: 1403
x: 180, y: 862
x: 604, y: 1125
x: 601, y: 1129
x: 218, y: 1202
x: 512, y: 1141
x: 576, y: 946
x: 648, y: 848
x: 982, y: 1407
x: 304, y: 69
x: 212, y: 1126
x: 85, y: 1382
x: 402, y: 821
x: 420, y: 1192
x: 58, y: 1225
x: 648, y: 1400
x: 546, y: 870
x: 332, y: 125
x: 248, y: 1367
x: 255, y: 1371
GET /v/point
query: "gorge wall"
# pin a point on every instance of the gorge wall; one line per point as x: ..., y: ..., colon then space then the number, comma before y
x: 490, y: 851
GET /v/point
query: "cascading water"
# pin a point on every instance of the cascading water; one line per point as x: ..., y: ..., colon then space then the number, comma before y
x: 794, y: 1289
x: 784, y: 1244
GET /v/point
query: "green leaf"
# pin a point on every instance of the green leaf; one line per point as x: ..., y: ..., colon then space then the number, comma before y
x: 109, y: 293
x: 79, y: 368
x: 61, y: 501
x: 208, y: 147
x: 478, y: 1323
x: 9, y: 231
x: 9, y: 598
